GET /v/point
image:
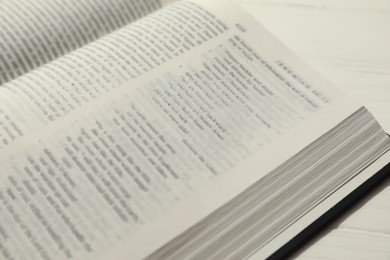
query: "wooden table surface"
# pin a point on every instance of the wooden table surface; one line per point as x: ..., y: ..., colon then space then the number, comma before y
x: 347, y: 41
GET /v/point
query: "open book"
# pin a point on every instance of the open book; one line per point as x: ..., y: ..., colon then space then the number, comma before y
x: 190, y: 133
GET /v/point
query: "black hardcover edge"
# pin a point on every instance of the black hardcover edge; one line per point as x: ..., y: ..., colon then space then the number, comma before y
x: 336, y: 211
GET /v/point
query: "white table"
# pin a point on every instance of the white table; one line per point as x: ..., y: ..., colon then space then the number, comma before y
x: 348, y: 41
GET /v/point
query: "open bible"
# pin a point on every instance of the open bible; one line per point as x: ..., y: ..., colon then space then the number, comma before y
x: 135, y: 129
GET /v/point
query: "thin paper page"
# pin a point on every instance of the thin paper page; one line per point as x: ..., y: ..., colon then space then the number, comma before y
x: 48, y: 93
x: 33, y: 33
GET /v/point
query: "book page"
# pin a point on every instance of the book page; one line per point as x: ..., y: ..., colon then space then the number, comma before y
x: 33, y: 33
x: 117, y: 148
x: 70, y: 82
